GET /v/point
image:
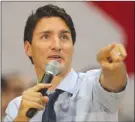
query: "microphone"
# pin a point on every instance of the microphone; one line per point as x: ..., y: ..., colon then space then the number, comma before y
x: 53, y: 68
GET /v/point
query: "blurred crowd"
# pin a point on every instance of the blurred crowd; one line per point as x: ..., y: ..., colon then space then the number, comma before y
x: 13, y: 85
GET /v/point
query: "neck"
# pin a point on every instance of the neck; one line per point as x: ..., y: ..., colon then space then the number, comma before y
x: 56, y: 80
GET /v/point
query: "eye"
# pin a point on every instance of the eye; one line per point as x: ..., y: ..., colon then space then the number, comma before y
x: 45, y: 36
x: 64, y: 37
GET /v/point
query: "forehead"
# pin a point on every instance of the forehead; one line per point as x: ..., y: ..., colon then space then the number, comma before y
x: 51, y: 23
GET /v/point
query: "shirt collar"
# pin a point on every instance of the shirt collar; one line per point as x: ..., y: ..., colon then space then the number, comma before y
x: 69, y: 82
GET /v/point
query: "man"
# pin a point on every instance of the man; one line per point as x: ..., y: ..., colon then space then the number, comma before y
x: 92, y: 96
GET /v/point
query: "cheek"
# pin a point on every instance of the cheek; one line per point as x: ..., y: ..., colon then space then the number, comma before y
x: 39, y: 54
x: 69, y: 50
x: 39, y: 50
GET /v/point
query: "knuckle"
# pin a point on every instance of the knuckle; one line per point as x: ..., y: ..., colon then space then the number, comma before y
x: 29, y: 90
x: 24, y: 93
x: 39, y: 94
x: 35, y: 100
x: 44, y: 100
x: 38, y: 100
x: 43, y: 103
x: 40, y: 85
x: 41, y: 107
x: 33, y: 105
x: 36, y: 86
x: 38, y: 106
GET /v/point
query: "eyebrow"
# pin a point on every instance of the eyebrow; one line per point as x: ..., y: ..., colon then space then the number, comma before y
x: 47, y: 31
x: 50, y: 31
x: 65, y: 31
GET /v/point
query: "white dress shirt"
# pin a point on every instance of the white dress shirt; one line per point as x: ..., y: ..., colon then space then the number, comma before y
x: 84, y: 100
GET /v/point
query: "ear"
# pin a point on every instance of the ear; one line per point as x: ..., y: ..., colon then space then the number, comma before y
x: 27, y: 48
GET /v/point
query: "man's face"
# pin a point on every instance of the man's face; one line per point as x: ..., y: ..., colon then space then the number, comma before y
x: 51, y: 41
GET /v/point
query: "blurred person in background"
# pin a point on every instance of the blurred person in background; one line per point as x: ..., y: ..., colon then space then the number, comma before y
x: 92, y: 96
x: 12, y: 85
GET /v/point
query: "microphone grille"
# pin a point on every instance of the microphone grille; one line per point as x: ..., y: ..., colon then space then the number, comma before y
x: 53, y: 67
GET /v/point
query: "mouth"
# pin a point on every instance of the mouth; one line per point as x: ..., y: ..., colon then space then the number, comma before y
x: 56, y: 57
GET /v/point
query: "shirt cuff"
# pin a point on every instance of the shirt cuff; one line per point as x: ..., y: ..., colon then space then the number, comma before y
x: 109, y: 100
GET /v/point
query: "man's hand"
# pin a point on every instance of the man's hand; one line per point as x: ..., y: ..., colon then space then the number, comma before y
x: 32, y: 99
x: 113, y: 77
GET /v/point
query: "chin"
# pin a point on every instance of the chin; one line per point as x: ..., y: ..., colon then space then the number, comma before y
x: 61, y: 61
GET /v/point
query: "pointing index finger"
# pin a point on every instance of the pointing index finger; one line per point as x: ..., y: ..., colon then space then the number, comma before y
x: 40, y: 86
x: 105, y: 52
x: 108, y: 49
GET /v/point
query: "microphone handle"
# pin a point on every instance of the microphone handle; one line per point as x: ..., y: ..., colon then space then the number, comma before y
x: 47, y: 78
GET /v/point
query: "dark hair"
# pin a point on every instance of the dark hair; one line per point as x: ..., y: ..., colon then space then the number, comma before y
x: 3, y: 84
x: 47, y: 11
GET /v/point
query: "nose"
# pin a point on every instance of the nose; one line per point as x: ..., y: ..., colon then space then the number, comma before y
x: 56, y: 44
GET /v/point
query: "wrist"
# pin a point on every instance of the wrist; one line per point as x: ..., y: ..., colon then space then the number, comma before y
x: 112, y: 87
x: 116, y: 90
x: 20, y: 118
